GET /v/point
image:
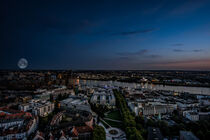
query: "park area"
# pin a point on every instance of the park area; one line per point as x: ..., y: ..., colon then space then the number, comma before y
x: 113, y: 118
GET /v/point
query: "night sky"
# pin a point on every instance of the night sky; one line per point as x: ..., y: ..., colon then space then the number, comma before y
x: 109, y: 34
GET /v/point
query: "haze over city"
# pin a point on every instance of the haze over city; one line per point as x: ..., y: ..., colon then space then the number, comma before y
x: 119, y: 35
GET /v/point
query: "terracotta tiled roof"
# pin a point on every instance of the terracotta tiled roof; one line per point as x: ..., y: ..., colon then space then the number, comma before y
x: 8, y: 115
x: 14, y: 114
x: 74, y: 132
x: 83, y: 129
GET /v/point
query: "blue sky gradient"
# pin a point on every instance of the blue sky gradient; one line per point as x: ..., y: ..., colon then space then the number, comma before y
x: 126, y: 35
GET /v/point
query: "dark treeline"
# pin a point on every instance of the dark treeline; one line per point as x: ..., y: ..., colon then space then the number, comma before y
x: 128, y: 119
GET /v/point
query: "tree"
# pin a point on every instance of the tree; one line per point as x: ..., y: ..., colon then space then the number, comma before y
x: 128, y: 118
x: 150, y: 122
x: 140, y: 119
x: 99, y: 133
x: 200, y: 135
x: 133, y: 134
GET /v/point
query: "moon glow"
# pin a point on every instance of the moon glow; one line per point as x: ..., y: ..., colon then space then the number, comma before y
x: 22, y: 63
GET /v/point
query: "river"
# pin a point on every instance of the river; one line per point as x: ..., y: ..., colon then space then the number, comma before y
x: 192, y: 90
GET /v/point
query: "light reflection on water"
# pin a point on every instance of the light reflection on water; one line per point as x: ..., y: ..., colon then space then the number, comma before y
x: 193, y: 90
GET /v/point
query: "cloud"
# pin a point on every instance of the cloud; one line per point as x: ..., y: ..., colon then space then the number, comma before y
x: 154, y: 56
x: 191, y: 64
x: 199, y: 50
x: 124, y: 58
x: 135, y: 32
x: 138, y: 55
x: 178, y: 44
x: 178, y: 50
x: 140, y: 52
x: 155, y: 64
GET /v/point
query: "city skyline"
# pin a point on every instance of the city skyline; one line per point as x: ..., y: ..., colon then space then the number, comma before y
x: 108, y: 35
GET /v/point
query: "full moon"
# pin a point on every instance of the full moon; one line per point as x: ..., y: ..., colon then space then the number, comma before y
x: 22, y: 63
